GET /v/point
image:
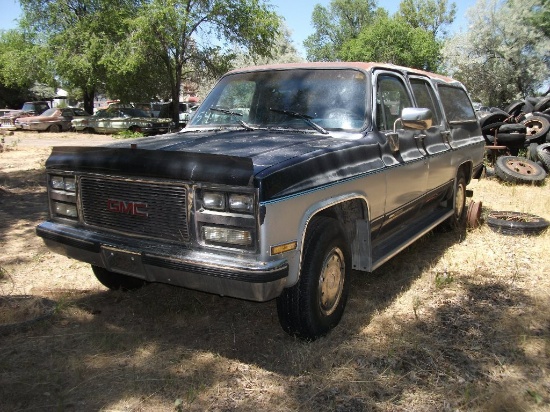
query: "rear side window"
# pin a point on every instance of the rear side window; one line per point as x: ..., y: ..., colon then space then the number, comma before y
x: 456, y: 104
x: 425, y: 97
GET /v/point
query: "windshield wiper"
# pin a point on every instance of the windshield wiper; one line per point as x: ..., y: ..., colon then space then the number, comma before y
x: 304, y: 117
x: 232, y: 113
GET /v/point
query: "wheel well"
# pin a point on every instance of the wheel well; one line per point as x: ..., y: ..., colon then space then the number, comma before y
x: 347, y: 213
x: 467, y: 168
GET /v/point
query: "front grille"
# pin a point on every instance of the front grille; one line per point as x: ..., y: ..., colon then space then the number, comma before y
x: 121, y: 205
x: 6, y: 122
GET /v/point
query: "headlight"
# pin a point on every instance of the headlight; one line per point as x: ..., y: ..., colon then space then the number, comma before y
x: 214, y: 200
x: 65, y: 209
x: 228, y: 236
x: 232, y: 202
x: 241, y: 203
x: 63, y: 183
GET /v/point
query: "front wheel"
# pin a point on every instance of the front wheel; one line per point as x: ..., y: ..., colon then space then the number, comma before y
x: 116, y: 281
x: 315, y: 305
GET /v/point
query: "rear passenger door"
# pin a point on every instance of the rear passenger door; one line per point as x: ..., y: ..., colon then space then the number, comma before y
x: 434, y: 141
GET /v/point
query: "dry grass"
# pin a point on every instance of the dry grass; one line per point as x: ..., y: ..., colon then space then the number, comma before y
x: 454, y: 323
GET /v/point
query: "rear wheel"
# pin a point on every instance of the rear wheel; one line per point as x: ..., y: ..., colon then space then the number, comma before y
x: 459, y: 203
x: 54, y: 128
x: 315, y: 305
x: 116, y: 281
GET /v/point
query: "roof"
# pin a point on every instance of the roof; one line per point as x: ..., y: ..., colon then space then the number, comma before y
x: 366, y: 66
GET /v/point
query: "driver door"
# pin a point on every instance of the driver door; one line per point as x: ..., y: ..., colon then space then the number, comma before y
x: 405, y: 158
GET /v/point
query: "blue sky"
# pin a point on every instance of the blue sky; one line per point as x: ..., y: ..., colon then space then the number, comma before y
x: 297, y: 14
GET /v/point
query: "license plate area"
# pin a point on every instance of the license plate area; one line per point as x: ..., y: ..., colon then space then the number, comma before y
x: 123, y: 261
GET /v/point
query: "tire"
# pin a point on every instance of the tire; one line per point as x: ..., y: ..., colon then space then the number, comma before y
x: 135, y: 129
x: 543, y: 154
x: 514, y: 108
x: 516, y: 223
x: 532, y: 152
x: 459, y: 202
x: 54, y: 128
x: 512, y: 128
x: 315, y: 305
x: 514, y: 169
x: 117, y: 281
x: 89, y: 130
x: 492, y: 118
x: 542, y: 105
x: 537, y: 128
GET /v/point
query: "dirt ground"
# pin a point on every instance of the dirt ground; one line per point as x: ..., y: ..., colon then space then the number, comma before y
x: 457, y: 322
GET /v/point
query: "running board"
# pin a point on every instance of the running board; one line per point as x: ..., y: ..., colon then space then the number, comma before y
x: 385, y: 250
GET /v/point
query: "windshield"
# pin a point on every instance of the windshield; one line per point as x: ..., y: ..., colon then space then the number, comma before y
x: 313, y: 99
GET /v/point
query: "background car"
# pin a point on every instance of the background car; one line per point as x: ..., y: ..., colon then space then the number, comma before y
x: 117, y: 119
x: 29, y: 109
x: 52, y: 120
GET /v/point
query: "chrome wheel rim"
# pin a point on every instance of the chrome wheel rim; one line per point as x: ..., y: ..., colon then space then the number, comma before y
x: 331, y: 281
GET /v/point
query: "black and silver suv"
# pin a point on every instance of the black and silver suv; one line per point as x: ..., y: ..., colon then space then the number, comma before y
x: 286, y: 179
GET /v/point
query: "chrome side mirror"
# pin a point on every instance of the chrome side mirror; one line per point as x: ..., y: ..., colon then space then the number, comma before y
x: 416, y: 118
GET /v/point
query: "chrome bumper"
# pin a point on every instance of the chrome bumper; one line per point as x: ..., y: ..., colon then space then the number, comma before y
x: 227, y: 275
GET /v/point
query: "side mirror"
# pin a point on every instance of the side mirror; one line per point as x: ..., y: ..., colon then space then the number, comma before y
x: 416, y: 118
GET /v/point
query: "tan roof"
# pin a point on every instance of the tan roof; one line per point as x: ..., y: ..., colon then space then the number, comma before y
x: 367, y: 66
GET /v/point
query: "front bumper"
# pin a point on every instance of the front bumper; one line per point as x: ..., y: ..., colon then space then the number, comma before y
x: 235, y: 276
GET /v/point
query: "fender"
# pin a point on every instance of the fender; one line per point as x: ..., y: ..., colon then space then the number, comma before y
x: 360, y: 251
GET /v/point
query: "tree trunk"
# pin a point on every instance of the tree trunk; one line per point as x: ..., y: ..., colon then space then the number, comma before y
x: 89, y: 96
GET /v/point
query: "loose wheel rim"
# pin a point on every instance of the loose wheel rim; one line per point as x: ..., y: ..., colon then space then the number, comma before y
x: 331, y: 281
x: 533, y: 128
x: 520, y: 167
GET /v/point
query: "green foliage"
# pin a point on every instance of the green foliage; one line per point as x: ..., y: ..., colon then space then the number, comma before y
x: 358, y: 30
x: 430, y: 15
x: 504, y: 55
x: 128, y: 134
x: 393, y: 40
x: 342, y: 21
x: 22, y: 60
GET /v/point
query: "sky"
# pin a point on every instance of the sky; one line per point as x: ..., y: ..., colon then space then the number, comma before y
x: 297, y: 15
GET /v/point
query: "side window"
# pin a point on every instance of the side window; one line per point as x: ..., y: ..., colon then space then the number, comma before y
x: 391, y: 98
x: 425, y: 98
x: 456, y: 104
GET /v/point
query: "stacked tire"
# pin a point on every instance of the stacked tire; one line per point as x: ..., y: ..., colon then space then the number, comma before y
x: 518, y: 125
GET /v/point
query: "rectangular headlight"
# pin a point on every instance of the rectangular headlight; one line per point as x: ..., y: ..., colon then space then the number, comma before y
x: 57, y: 182
x: 63, y: 183
x: 241, y: 203
x: 65, y: 209
x: 228, y: 236
x: 214, y: 200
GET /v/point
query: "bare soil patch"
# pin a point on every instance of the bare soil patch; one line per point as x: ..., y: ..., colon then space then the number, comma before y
x: 457, y: 322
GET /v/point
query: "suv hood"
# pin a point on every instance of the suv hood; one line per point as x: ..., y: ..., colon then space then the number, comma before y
x: 225, y: 157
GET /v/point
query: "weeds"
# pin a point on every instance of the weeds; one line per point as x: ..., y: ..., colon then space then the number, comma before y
x: 128, y: 134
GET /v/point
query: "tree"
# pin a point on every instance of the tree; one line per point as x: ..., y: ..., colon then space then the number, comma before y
x: 342, y: 21
x: 179, y: 35
x: 430, y: 15
x: 504, y: 55
x: 393, y: 40
x: 23, y: 61
x: 79, y: 35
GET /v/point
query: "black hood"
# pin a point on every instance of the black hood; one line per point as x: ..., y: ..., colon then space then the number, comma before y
x: 278, y: 162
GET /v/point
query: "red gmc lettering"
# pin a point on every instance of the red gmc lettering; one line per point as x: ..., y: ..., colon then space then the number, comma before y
x: 127, y: 208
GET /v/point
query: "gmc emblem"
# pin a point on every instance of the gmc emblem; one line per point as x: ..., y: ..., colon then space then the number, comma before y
x: 127, y: 208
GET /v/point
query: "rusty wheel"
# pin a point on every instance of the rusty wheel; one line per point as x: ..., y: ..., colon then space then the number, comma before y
x: 519, y: 170
x: 473, y: 216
